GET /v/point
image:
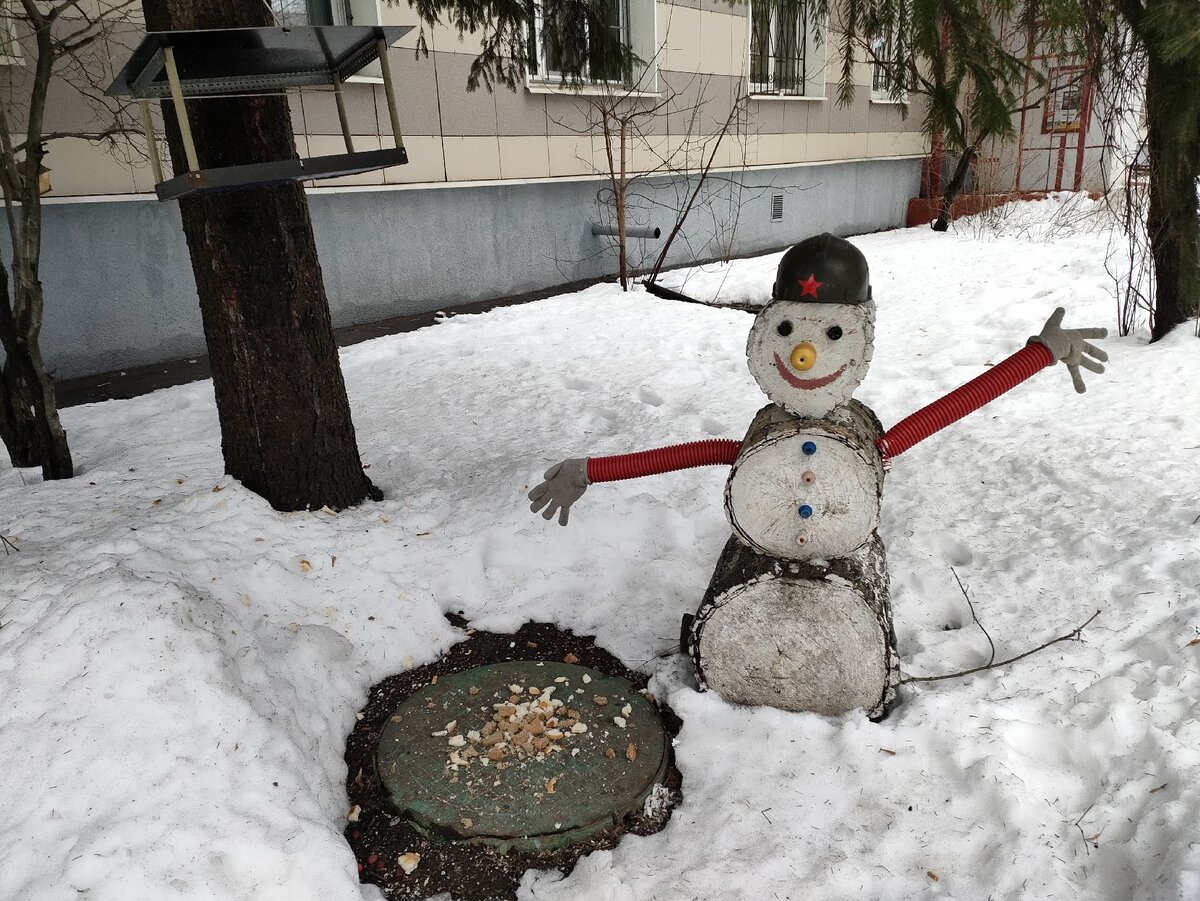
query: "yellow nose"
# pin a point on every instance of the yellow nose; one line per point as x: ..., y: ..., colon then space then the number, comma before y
x: 804, y: 357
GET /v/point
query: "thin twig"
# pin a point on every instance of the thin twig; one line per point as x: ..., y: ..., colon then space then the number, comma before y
x: 1083, y: 835
x: 991, y: 644
x: 8, y: 544
x: 1070, y: 636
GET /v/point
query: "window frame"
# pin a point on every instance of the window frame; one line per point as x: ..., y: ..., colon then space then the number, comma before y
x: 884, y: 47
x: 11, y: 53
x: 538, y: 71
x: 812, y: 61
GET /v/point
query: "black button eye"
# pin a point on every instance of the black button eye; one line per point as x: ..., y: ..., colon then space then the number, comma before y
x: 784, y: 328
x: 834, y: 332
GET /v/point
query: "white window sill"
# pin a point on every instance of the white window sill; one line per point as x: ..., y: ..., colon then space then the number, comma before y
x: 586, y: 90
x: 788, y: 97
x: 364, y: 79
x: 886, y: 100
x: 6, y: 60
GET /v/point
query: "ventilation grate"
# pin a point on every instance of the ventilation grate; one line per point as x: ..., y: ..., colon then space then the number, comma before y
x: 776, y: 207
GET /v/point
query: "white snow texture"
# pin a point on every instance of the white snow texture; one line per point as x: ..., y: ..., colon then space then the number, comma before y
x: 180, y: 665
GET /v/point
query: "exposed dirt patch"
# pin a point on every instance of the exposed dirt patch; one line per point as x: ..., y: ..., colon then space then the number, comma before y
x: 407, y: 865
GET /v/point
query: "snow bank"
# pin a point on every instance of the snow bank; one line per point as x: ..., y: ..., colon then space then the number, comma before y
x: 180, y: 664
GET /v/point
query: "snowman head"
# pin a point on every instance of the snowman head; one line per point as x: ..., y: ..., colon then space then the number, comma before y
x: 810, y: 347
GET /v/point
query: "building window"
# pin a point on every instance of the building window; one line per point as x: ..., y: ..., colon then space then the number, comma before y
x: 10, y: 46
x: 549, y: 58
x: 884, y: 73
x: 783, y: 50
x: 289, y: 13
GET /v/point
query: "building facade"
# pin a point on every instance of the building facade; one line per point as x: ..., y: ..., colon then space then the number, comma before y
x: 503, y: 187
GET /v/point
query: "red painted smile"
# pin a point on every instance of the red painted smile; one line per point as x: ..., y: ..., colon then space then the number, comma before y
x: 806, y: 384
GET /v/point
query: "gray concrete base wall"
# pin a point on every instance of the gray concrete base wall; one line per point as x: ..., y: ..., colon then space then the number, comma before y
x: 118, y: 278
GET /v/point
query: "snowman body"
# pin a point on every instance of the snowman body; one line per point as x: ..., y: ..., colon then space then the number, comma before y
x: 805, y: 488
x: 797, y: 613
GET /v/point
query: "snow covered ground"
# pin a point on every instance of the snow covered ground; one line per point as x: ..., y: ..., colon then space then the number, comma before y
x: 179, y: 664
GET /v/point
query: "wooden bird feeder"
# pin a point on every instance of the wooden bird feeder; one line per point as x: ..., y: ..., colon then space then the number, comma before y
x: 239, y: 62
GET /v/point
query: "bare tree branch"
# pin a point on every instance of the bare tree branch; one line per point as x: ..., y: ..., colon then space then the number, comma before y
x: 1073, y: 635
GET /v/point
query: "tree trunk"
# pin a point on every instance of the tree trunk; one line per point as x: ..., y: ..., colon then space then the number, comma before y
x: 17, y: 428
x: 286, y: 431
x: 942, y: 223
x: 805, y: 636
x: 1172, y: 223
x: 29, y: 423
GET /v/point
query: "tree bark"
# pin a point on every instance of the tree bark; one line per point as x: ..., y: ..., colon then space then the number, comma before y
x: 774, y: 480
x: 29, y: 423
x: 1172, y: 223
x: 942, y: 223
x: 286, y: 431
x: 811, y: 636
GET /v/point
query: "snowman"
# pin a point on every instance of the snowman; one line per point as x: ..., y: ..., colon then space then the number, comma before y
x: 797, y: 614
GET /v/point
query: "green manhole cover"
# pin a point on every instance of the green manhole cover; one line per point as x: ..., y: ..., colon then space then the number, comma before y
x: 523, y: 755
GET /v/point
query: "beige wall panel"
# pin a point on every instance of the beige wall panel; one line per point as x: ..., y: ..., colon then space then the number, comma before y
x: 648, y: 154
x: 94, y: 9
x: 739, y: 48
x: 735, y: 147
x: 567, y: 114
x: 524, y: 157
x: 80, y: 167
x: 885, y: 117
x: 795, y: 116
x: 902, y: 143
x: 402, y: 14
x: 520, y: 112
x: 770, y: 149
x: 767, y: 116
x: 848, y: 146
x: 324, y: 145
x: 818, y: 145
x: 680, y: 32
x: 416, y: 95
x: 819, y: 112
x: 795, y: 147
x: 472, y: 158
x: 852, y: 118
x: 463, y: 112
x: 863, y: 71
x: 447, y: 39
x: 750, y: 150
x: 570, y: 155
x: 424, y: 161
x: 716, y: 43
x: 320, y: 110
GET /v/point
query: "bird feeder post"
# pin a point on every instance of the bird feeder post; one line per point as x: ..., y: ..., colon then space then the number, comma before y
x: 390, y: 91
x: 341, y: 109
x: 185, y: 128
x: 151, y: 141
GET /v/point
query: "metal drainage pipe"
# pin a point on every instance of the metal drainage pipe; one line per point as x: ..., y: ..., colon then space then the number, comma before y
x: 632, y: 231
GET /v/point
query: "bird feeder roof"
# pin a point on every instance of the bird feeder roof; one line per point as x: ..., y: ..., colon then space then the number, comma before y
x: 231, y: 61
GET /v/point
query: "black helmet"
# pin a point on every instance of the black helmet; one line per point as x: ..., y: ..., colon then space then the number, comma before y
x: 823, y: 269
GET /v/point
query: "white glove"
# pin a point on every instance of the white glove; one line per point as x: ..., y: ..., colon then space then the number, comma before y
x: 564, y: 485
x: 1068, y: 345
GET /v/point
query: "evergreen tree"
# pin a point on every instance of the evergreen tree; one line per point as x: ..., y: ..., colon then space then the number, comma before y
x: 952, y: 54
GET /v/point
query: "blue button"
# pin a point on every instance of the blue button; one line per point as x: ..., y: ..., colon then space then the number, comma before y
x: 805, y: 511
x: 809, y: 448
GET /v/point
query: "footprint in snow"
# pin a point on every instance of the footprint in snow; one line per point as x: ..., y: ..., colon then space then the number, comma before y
x: 952, y: 550
x: 650, y: 397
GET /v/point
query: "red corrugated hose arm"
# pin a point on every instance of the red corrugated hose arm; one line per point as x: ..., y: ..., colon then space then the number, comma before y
x: 1002, y: 377
x: 714, y: 452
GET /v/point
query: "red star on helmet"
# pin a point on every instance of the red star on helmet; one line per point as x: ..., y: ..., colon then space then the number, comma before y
x: 809, y: 286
